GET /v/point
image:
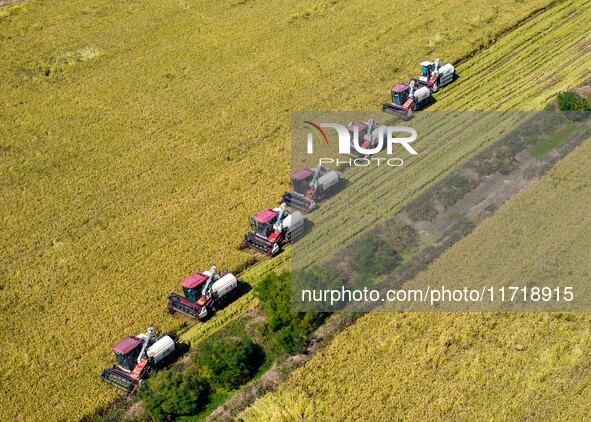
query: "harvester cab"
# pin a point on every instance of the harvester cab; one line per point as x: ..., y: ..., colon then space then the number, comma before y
x: 136, y: 356
x: 127, y: 351
x: 262, y: 223
x: 310, y: 187
x: 192, y: 285
x: 400, y: 94
x: 273, y: 228
x: 427, y: 69
x: 203, y: 293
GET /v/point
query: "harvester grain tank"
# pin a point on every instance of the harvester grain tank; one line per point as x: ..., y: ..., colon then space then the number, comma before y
x: 136, y: 357
x: 311, y: 186
x: 203, y: 293
x: 406, y: 99
x: 434, y: 75
x: 273, y: 228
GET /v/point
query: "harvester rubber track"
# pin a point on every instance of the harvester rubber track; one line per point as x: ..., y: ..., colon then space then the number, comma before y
x: 296, y: 201
x: 179, y: 304
x: 120, y: 380
x: 258, y: 243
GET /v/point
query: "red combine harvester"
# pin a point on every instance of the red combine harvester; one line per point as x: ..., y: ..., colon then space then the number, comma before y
x: 273, y: 228
x: 367, y: 134
x: 312, y: 186
x: 203, y: 293
x: 136, y: 357
x: 406, y: 99
x: 434, y: 75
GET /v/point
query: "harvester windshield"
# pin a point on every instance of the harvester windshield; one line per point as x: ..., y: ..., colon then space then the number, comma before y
x: 400, y: 94
x: 399, y: 98
x: 125, y: 361
x: 262, y: 229
x: 189, y: 294
x: 127, y: 351
x: 301, y: 186
x: 425, y: 70
x: 301, y: 180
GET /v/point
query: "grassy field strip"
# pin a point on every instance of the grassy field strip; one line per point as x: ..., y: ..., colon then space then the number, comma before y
x: 483, y: 365
x: 375, y: 195
x: 134, y: 140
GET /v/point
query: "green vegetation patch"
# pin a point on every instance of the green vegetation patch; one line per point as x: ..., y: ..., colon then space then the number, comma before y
x: 290, y: 330
x: 170, y: 394
x: 572, y: 101
x: 228, y: 360
x: 543, y: 146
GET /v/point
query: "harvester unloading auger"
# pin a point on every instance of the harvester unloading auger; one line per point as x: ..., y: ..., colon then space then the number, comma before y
x: 311, y: 186
x: 273, y: 228
x: 136, y: 357
x: 203, y: 293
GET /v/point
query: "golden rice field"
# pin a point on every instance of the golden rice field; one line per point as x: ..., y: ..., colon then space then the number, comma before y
x: 478, y: 366
x: 135, y: 139
x: 438, y: 155
x: 470, y: 366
